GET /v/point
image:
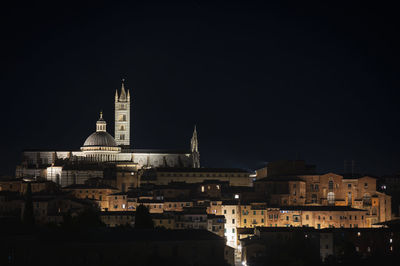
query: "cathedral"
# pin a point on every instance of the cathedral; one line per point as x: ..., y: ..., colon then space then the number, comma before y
x: 102, y: 151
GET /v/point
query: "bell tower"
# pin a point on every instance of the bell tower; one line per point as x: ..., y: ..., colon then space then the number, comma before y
x: 122, y: 117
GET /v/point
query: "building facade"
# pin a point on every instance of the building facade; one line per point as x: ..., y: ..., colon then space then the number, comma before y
x: 101, y: 150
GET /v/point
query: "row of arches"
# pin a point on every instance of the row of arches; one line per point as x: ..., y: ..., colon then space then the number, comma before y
x: 101, y: 157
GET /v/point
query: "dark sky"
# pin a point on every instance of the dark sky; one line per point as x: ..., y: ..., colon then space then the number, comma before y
x: 263, y: 82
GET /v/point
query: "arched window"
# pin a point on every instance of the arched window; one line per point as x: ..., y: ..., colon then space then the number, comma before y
x: 331, y: 198
x: 330, y: 185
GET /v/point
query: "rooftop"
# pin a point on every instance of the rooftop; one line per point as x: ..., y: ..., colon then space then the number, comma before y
x: 319, y: 208
x: 202, y: 170
x: 283, y: 178
x: 117, y: 213
x: 84, y: 186
x: 162, y: 151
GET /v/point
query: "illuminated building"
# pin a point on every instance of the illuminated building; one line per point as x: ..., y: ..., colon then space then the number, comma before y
x: 100, y: 150
x: 233, y: 176
x: 286, y: 188
x: 230, y: 210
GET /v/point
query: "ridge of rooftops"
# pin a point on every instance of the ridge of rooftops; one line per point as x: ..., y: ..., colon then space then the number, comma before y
x: 123, y: 150
x: 117, y: 213
x: 84, y: 186
x: 179, y: 199
x: 176, y: 185
x: 308, y: 229
x: 201, y: 170
x: 32, y: 181
x: 283, y: 178
x: 319, y: 208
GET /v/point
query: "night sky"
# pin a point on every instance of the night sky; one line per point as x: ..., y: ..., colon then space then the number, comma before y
x: 263, y: 82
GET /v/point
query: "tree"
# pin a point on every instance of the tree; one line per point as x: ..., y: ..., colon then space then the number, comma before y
x: 28, y: 217
x: 143, y: 218
x: 88, y: 218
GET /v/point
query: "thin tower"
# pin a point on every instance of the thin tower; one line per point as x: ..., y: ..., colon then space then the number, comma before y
x: 122, y: 117
x: 194, y: 148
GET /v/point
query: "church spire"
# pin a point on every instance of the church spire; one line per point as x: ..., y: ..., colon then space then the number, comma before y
x: 194, y: 143
x: 194, y: 148
x: 122, y: 97
x: 116, y: 95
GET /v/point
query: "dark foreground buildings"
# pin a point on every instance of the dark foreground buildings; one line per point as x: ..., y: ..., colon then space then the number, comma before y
x: 114, y: 247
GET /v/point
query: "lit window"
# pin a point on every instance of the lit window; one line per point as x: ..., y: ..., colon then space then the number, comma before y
x: 202, y: 188
x: 236, y: 196
x: 331, y: 198
x: 122, y: 118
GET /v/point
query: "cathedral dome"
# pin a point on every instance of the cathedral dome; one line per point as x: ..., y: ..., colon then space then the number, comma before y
x: 100, y: 138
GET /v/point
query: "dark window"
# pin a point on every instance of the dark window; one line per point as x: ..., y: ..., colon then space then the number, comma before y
x: 330, y: 185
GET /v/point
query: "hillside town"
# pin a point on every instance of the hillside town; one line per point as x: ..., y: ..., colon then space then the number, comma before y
x: 236, y: 216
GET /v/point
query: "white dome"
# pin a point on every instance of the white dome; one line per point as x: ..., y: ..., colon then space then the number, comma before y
x: 100, y: 138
